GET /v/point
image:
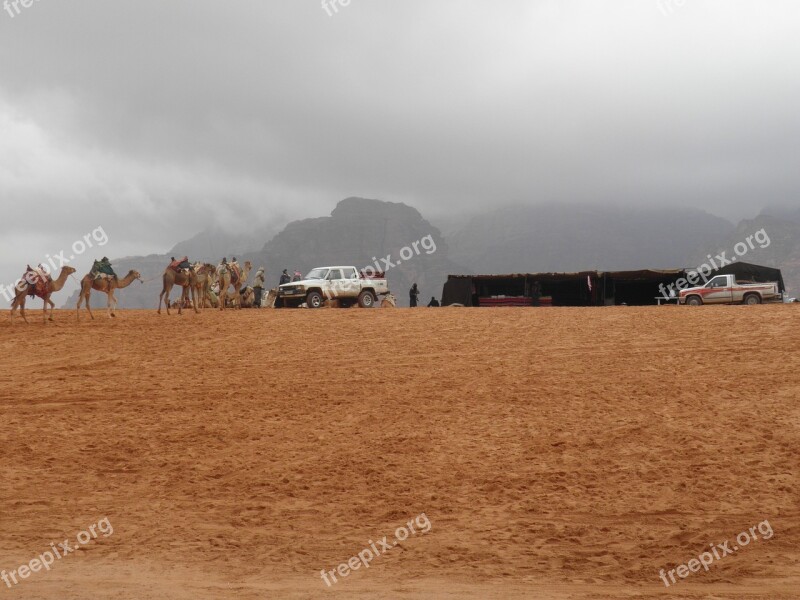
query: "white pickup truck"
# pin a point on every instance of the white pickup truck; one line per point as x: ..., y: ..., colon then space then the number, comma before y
x: 348, y: 285
x: 724, y: 289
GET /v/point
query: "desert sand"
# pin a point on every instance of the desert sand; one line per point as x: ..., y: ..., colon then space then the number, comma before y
x: 557, y: 453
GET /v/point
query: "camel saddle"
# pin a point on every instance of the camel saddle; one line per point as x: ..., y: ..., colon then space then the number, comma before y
x: 40, y: 283
x: 175, y: 265
x: 236, y: 273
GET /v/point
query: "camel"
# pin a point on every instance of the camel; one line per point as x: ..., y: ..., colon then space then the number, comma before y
x: 107, y: 286
x: 53, y: 286
x: 206, y: 277
x: 224, y: 275
x: 186, y: 281
x: 389, y: 301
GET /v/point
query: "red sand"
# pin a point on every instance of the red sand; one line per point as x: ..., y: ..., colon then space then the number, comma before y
x: 558, y: 453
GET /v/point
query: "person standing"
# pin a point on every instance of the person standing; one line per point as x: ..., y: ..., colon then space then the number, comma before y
x: 285, y: 278
x: 413, y: 295
x: 258, y: 286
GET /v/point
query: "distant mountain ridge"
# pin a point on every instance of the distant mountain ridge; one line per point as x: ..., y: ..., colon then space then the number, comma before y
x: 572, y: 238
x: 362, y: 231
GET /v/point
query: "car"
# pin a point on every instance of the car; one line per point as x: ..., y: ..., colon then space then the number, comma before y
x: 724, y: 289
x: 346, y: 284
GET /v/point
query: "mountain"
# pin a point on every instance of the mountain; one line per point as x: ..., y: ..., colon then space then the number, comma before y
x: 358, y: 232
x: 572, y: 238
x: 776, y: 243
x: 208, y: 246
x: 214, y: 243
x: 364, y: 233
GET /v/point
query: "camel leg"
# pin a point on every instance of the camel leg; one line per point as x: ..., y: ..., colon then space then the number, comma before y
x: 88, y: 300
x: 164, y: 296
x: 44, y: 307
x: 194, y: 299
x: 20, y: 302
x: 113, y: 303
x: 110, y: 298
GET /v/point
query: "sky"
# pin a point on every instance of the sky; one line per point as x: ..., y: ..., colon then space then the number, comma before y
x: 153, y: 120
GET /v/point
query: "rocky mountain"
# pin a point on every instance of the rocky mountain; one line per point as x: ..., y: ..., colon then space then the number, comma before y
x: 358, y: 232
x: 572, y: 238
x: 364, y: 233
x: 207, y: 246
x: 776, y: 243
x: 513, y: 239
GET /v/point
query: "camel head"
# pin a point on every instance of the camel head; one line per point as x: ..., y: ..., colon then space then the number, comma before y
x: 68, y: 270
x: 135, y: 275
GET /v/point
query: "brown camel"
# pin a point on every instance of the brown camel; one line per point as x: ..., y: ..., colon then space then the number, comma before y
x: 107, y: 286
x: 52, y: 286
x: 186, y: 281
x: 206, y: 277
x: 224, y: 275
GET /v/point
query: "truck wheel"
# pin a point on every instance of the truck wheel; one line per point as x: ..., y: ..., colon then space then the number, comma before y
x: 752, y: 299
x: 366, y: 299
x: 694, y: 301
x: 314, y: 300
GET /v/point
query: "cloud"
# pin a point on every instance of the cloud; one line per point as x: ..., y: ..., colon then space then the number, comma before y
x: 158, y: 119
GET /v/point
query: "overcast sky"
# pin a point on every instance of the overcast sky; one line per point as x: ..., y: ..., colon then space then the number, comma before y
x: 154, y: 119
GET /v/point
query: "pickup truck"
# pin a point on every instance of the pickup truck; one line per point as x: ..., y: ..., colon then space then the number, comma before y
x: 348, y: 285
x: 724, y: 289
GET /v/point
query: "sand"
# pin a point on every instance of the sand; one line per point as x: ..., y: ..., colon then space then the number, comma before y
x: 556, y: 453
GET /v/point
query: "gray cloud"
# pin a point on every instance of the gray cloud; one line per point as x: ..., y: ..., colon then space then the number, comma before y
x: 156, y: 119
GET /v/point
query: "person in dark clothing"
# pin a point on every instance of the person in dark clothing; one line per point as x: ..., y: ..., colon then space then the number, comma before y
x: 413, y: 295
x: 434, y: 303
x: 285, y: 277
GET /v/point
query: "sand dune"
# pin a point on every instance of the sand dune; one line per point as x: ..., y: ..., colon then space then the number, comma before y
x: 558, y: 453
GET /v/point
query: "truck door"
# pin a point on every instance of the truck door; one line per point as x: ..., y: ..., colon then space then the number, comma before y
x: 351, y: 285
x: 333, y: 289
x: 718, y: 290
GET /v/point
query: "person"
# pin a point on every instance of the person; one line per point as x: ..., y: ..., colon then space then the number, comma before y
x: 285, y: 277
x: 413, y: 295
x: 258, y: 286
x: 298, y: 276
x: 434, y: 303
x: 101, y: 269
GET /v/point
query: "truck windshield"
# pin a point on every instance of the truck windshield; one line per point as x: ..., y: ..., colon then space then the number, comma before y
x: 317, y: 274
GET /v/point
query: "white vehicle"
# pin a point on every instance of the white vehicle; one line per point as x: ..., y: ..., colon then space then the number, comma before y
x: 347, y: 284
x: 724, y: 289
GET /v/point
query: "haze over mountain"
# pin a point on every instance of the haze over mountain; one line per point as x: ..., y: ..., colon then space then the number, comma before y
x: 562, y: 237
x: 508, y: 239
